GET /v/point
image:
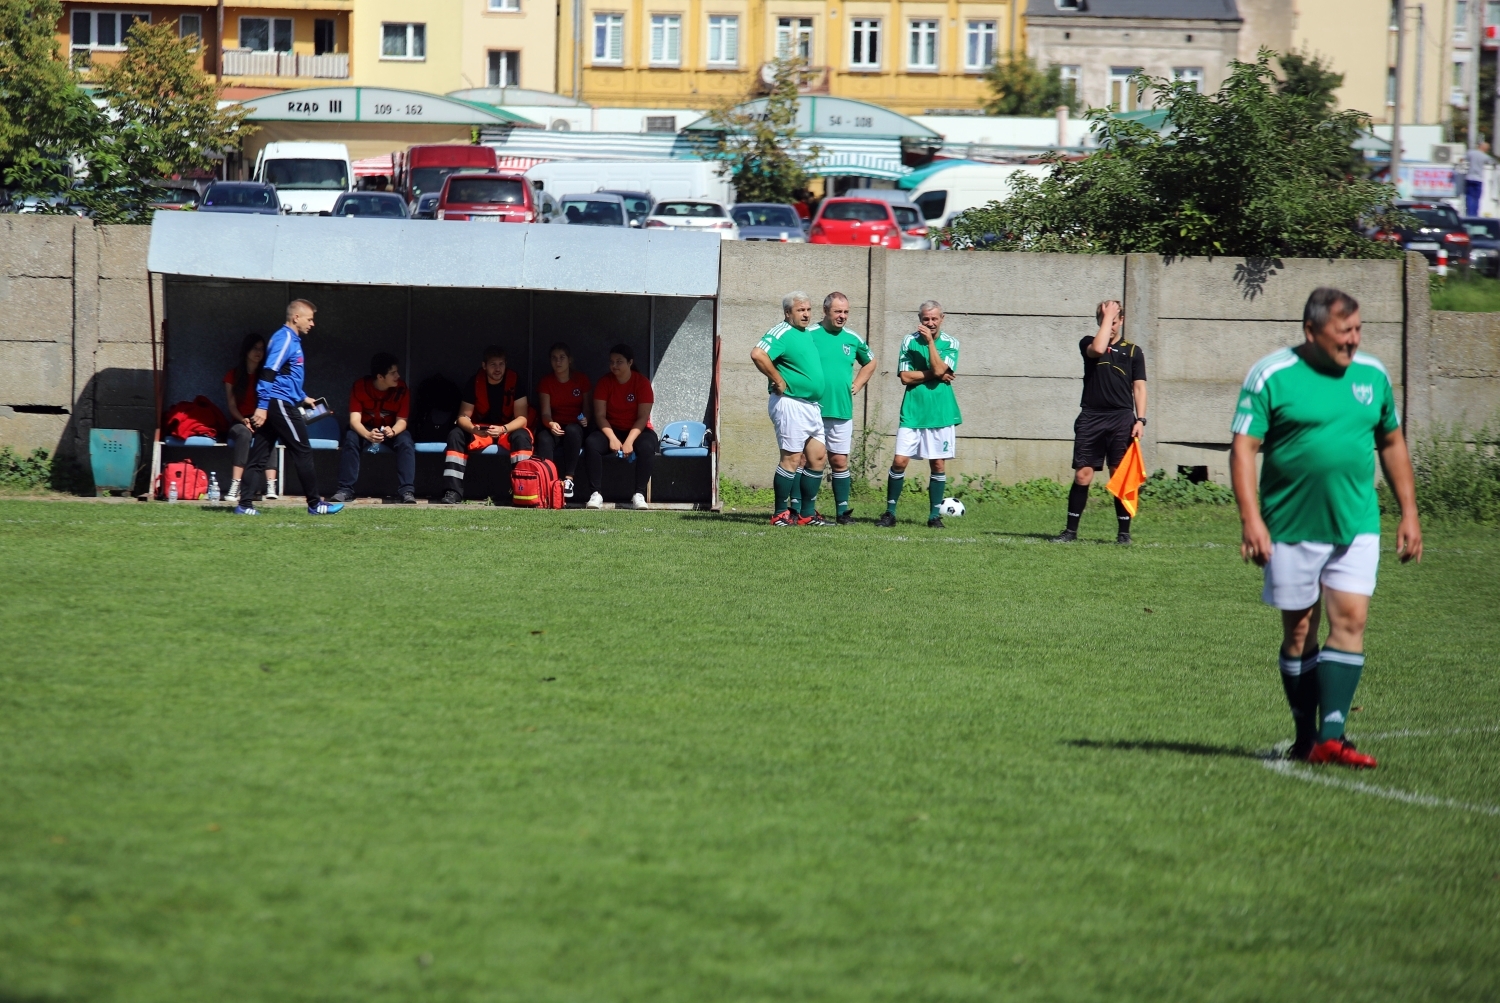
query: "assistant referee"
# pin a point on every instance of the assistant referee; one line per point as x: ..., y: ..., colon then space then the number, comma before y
x: 1114, y: 412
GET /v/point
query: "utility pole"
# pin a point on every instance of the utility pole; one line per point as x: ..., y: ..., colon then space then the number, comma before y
x: 1475, y: 32
x: 1400, y: 11
x: 577, y: 49
x: 219, y: 45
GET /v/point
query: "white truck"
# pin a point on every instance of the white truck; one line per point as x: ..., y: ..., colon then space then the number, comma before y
x: 663, y: 179
x: 943, y: 194
x: 309, y: 177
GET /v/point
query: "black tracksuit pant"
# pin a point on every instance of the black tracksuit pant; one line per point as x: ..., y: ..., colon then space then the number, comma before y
x: 284, y: 424
x: 563, y: 450
x: 596, y: 447
x: 456, y: 458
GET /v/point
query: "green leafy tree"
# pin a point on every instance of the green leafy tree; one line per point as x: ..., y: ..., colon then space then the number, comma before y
x: 1019, y: 88
x: 761, y: 152
x: 1308, y: 78
x: 44, y: 114
x: 1246, y: 171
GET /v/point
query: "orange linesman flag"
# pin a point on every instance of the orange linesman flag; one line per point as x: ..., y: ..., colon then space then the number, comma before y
x: 1125, y: 483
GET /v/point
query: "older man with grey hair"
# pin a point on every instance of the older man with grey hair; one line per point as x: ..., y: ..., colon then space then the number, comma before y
x: 790, y: 360
x: 929, y: 412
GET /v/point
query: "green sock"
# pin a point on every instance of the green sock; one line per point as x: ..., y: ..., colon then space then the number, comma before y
x: 812, y: 480
x: 1338, y: 677
x: 842, y: 481
x: 936, y: 485
x: 794, y: 503
x: 894, y: 484
x: 783, y: 483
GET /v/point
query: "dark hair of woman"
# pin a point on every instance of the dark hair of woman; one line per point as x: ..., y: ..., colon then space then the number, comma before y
x: 241, y: 376
x: 623, y: 350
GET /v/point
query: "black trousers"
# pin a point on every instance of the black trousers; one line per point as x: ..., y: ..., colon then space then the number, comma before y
x: 596, y: 447
x: 239, y: 438
x: 563, y: 450
x: 284, y: 424
x: 355, y: 445
x: 456, y: 458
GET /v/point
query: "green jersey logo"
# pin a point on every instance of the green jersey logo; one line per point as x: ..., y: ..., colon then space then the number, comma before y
x: 1364, y: 393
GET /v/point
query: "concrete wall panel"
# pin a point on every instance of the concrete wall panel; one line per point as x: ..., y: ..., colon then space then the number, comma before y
x: 37, y: 246
x: 122, y: 252
x: 124, y: 313
x: 37, y: 373
x: 1247, y: 289
x: 24, y: 432
x: 1015, y: 407
x: 1027, y: 285
x: 1226, y: 350
x: 991, y: 345
x: 36, y: 309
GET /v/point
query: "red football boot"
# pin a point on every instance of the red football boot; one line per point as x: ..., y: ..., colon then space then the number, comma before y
x: 784, y: 519
x: 816, y: 519
x: 1342, y: 752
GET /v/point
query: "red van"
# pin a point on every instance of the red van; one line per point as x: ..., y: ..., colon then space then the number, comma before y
x: 425, y: 168
x: 488, y: 198
x: 862, y: 222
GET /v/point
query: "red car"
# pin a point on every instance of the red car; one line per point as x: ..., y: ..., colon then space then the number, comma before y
x: 861, y: 222
x: 487, y: 198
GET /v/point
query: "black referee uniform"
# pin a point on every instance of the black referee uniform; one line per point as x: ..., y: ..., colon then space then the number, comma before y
x: 1102, y: 432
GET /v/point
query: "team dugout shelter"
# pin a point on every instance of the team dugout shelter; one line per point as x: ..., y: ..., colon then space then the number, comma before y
x: 434, y: 294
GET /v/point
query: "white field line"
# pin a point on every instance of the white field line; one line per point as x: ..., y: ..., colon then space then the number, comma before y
x: 1411, y: 733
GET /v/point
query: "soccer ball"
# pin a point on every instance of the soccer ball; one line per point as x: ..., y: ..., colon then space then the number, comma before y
x: 951, y: 506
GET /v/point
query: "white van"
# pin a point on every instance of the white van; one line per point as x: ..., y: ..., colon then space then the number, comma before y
x: 663, y: 179
x: 943, y: 194
x: 309, y: 177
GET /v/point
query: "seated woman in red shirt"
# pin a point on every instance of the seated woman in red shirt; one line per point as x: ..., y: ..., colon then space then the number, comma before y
x: 239, y: 392
x: 563, y: 398
x: 622, y: 416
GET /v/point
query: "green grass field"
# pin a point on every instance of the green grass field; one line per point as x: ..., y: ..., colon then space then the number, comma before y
x: 523, y: 756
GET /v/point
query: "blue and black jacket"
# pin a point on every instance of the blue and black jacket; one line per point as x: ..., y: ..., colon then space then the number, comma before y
x: 281, y: 373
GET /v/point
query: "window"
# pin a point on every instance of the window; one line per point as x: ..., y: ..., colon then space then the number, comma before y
x: 1461, y: 21
x: 1071, y: 76
x: 306, y: 173
x: 505, y: 5
x: 486, y: 191
x: 666, y: 39
x: 1189, y: 74
x: 661, y: 123
x: 1492, y: 12
x: 864, y: 53
x: 609, y: 38
x: 1070, y: 4
x: 1123, y: 95
x: 190, y: 26
x: 266, y: 34
x: 103, y: 29
x: 723, y: 40
x: 979, y: 45
x: 1459, y: 72
x: 403, y: 41
x: 1390, y: 86
x: 794, y: 38
x: 505, y: 69
x: 923, y: 51
x: 323, y: 41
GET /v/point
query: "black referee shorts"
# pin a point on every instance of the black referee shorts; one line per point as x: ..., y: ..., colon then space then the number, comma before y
x: 1100, y: 436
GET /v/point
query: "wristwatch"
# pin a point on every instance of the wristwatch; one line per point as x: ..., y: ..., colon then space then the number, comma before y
x: 1141, y: 420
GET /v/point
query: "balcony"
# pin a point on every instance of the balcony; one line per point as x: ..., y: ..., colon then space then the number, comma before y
x: 252, y: 63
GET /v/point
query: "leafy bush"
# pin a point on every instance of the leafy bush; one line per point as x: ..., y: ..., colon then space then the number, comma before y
x: 974, y: 490
x: 1180, y: 490
x: 25, y: 473
x: 1458, y: 475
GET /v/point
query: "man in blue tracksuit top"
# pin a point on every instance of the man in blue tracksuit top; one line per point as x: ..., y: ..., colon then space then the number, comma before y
x: 277, y: 418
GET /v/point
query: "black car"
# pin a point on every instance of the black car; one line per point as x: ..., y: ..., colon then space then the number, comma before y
x: 1484, y: 245
x: 370, y: 205
x: 244, y: 197
x: 426, y: 207
x: 1437, y: 227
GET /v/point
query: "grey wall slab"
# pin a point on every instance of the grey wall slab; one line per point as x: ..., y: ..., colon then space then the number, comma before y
x: 1276, y: 289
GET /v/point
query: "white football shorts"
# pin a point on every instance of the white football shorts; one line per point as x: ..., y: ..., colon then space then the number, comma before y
x: 927, y: 443
x: 796, y: 421
x: 838, y: 434
x: 1298, y: 572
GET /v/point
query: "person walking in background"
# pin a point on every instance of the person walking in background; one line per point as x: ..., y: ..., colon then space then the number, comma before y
x: 929, y: 413
x: 1113, y: 412
x: 491, y: 412
x: 790, y: 360
x: 379, y: 406
x: 840, y: 349
x: 622, y: 425
x: 240, y: 397
x: 278, y: 415
x: 1476, y: 162
x: 563, y: 399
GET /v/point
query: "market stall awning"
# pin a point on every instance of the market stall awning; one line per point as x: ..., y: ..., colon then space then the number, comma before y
x: 378, y: 104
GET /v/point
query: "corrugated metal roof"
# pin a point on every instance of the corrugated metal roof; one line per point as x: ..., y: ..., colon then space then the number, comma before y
x: 342, y: 251
x: 1186, y: 10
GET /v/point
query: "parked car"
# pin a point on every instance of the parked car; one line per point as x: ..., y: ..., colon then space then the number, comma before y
x: 245, y: 197
x: 178, y: 196
x: 374, y: 205
x: 685, y: 214
x: 488, y: 198
x: 1484, y: 245
x: 34, y: 203
x: 548, y: 210
x: 914, y: 234
x: 1437, y: 226
x: 423, y: 169
x: 637, y: 204
x: 426, y: 205
x: 768, y: 221
x: 663, y: 179
x: 860, y: 222
x: 309, y: 177
x: 598, y: 209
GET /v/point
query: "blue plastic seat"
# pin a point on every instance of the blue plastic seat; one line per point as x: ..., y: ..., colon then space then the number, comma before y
x: 192, y: 440
x: 324, y: 433
x: 432, y: 447
x: 685, y: 438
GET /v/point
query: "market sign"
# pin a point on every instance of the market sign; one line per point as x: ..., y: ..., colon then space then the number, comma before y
x: 374, y: 104
x: 825, y: 116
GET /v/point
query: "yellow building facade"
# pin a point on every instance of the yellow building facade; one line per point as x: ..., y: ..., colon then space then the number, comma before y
x: 911, y: 57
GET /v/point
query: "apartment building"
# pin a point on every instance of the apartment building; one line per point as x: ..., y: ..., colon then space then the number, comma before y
x: 912, y: 57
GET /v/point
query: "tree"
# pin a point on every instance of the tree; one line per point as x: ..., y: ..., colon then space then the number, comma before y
x: 1246, y: 171
x: 761, y: 152
x: 1308, y: 78
x: 1019, y: 88
x: 44, y: 114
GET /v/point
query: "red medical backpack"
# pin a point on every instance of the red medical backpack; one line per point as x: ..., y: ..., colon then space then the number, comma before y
x: 192, y: 483
x: 534, y: 484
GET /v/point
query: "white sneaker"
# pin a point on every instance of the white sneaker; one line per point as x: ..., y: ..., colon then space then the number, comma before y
x: 233, y: 495
x: 596, y: 500
x: 568, y: 488
x: 270, y: 494
x: 638, y: 500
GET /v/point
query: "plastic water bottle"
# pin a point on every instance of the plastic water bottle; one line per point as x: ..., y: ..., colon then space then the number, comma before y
x: 172, y: 491
x: 374, y: 447
x: 213, y: 487
x: 583, y: 420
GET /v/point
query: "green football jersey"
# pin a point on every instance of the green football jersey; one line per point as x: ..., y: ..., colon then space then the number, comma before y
x: 930, y: 404
x: 1318, y: 432
x: 796, y: 357
x: 841, y: 351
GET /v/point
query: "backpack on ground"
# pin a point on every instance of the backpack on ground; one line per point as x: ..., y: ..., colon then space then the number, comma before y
x: 534, y: 484
x: 192, y: 483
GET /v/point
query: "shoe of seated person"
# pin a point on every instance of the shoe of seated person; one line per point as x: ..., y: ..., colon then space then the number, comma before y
x: 638, y: 501
x: 568, y: 488
x: 270, y: 494
x: 451, y: 498
x: 596, y: 500
x: 325, y: 508
x: 407, y: 498
x: 341, y: 496
x: 232, y: 496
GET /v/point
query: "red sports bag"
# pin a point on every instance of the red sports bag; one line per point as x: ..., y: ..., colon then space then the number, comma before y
x: 192, y: 483
x: 534, y: 484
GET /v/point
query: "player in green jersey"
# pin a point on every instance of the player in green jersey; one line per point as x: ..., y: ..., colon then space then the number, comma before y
x: 841, y: 350
x: 1319, y: 413
x: 929, y: 412
x: 789, y: 358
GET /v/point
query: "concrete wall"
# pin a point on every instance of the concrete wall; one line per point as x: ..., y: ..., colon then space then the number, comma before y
x: 1464, y: 368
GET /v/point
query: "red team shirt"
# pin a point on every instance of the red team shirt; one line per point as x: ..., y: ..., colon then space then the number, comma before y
x: 247, y: 400
x: 621, y: 399
x: 378, y: 409
x: 568, y: 399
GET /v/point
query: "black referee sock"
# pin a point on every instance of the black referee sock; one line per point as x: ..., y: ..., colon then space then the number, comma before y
x: 1123, y: 515
x: 1299, y: 677
x: 1078, y: 499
